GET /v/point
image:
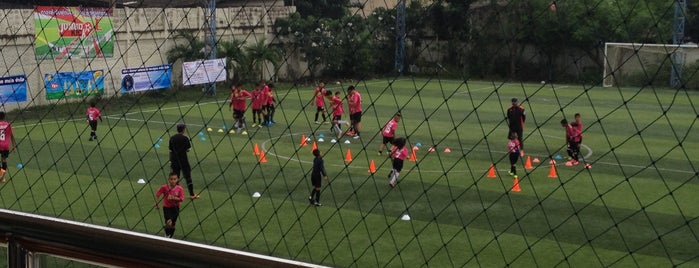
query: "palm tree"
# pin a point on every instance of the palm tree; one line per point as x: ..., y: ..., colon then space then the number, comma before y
x: 192, y: 49
x: 259, y: 54
x: 234, y: 54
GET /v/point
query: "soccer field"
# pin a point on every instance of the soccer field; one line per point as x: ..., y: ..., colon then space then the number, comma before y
x: 636, y: 206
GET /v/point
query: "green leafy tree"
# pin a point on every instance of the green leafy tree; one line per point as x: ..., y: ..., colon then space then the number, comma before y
x: 234, y: 54
x: 191, y: 49
x: 256, y: 58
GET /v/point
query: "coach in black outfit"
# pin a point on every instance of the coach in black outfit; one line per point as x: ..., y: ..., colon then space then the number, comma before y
x: 179, y: 146
x: 515, y: 120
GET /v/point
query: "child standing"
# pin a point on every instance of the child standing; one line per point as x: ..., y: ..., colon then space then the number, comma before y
x: 316, y: 174
x: 398, y: 154
x: 318, y: 95
x: 389, y: 132
x: 573, y: 139
x: 173, y: 194
x: 579, y: 126
x: 92, y: 115
x: 513, y: 147
x: 6, y: 137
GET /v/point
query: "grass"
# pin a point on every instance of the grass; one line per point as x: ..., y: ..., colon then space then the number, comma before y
x: 635, y: 207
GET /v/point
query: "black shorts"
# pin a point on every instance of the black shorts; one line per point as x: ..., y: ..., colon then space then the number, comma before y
x: 256, y: 111
x: 320, y: 108
x: 316, y: 180
x: 514, y: 157
x: 397, y: 164
x: 171, y: 213
x: 388, y: 140
x: 356, y: 117
x: 337, y: 117
x: 93, y: 125
x: 238, y: 113
x: 4, y: 153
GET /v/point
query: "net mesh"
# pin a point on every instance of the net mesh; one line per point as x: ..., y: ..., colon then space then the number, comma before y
x: 629, y: 200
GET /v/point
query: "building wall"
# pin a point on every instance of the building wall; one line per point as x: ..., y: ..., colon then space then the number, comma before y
x: 142, y: 37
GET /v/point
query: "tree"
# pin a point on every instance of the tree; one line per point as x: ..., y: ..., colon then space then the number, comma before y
x: 257, y: 56
x: 192, y: 49
x: 234, y: 54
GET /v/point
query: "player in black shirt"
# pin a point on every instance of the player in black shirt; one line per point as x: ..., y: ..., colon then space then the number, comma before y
x: 316, y: 174
x: 515, y: 120
x: 179, y: 146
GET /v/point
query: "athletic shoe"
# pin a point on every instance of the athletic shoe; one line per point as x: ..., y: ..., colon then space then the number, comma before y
x: 254, y: 124
x: 575, y: 163
x: 318, y: 204
x: 326, y: 122
x: 273, y: 122
x: 2, y: 175
x: 244, y: 132
x: 317, y: 122
x: 392, y: 185
x: 349, y: 133
x: 356, y: 137
x: 310, y: 200
x: 196, y: 196
x: 510, y: 172
x: 380, y: 153
x: 569, y: 163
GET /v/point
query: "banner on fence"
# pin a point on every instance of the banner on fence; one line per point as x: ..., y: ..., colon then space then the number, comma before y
x: 68, y: 32
x: 13, y: 89
x: 146, y: 78
x: 74, y: 85
x: 203, y: 71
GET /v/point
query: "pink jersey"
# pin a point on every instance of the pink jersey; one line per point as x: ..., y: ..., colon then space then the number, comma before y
x: 5, y: 135
x: 572, y: 134
x: 513, y: 146
x: 401, y: 153
x: 238, y: 97
x: 579, y: 126
x: 175, y: 192
x: 256, y: 99
x: 267, y: 96
x: 338, y: 108
x: 319, y: 94
x: 93, y: 114
x: 389, y: 130
x: 355, y: 103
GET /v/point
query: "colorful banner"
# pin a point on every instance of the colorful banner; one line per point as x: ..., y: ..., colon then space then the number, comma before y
x: 13, y: 89
x: 70, y: 32
x: 146, y: 78
x: 74, y: 85
x: 203, y: 71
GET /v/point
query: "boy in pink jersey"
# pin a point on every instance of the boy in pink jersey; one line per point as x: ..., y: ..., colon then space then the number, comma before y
x: 5, y: 138
x: 268, y: 103
x: 319, y: 94
x: 256, y: 105
x: 389, y: 132
x: 238, y: 105
x: 513, y: 148
x: 580, y: 125
x: 355, y: 110
x: 92, y: 115
x: 573, y: 139
x: 398, y: 154
x: 173, y: 195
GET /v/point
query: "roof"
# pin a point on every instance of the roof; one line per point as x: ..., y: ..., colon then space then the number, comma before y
x: 130, y: 3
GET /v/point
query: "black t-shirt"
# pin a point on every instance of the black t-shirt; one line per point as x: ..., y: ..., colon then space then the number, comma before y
x: 179, y: 145
x: 516, y: 117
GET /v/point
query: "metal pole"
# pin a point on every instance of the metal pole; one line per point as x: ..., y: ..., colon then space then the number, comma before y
x: 677, y: 56
x: 211, y: 40
x: 400, y: 37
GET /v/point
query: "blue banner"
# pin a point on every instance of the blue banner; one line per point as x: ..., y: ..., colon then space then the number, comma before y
x: 74, y: 85
x: 13, y: 89
x: 146, y: 78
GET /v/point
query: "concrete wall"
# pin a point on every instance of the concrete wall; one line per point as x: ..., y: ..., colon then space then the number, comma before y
x: 142, y: 38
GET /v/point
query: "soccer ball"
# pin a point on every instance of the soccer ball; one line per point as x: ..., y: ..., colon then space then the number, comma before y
x: 337, y: 83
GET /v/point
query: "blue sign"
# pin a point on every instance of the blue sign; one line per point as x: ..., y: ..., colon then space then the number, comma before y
x: 13, y: 89
x: 146, y: 78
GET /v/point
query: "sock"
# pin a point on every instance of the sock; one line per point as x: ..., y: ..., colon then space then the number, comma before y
x: 395, y: 177
x: 513, y: 169
x: 317, y: 198
x: 324, y: 117
x: 4, y: 166
x: 266, y: 118
x: 316, y: 117
x: 313, y: 193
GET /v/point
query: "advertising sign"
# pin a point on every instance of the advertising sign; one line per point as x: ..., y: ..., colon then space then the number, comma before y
x: 203, y: 71
x: 146, y: 78
x: 13, y: 89
x: 74, y: 85
x: 73, y: 32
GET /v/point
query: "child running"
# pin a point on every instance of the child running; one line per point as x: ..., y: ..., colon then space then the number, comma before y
x: 389, y: 132
x: 173, y: 195
x: 398, y: 154
x: 92, y: 115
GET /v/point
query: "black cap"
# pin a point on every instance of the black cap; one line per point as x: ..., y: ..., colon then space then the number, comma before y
x: 180, y: 127
x: 514, y: 99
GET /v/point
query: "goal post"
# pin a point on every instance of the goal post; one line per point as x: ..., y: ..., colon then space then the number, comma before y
x: 639, y: 64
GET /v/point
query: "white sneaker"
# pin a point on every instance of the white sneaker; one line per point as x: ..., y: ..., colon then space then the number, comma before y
x: 356, y: 137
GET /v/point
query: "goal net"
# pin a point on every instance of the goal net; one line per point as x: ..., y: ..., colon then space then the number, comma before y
x: 639, y: 64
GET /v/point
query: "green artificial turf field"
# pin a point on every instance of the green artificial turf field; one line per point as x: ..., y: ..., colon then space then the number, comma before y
x: 636, y: 206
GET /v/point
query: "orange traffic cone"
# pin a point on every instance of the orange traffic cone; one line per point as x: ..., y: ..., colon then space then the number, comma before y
x: 515, y: 185
x: 491, y: 171
x: 315, y: 146
x: 552, y: 172
x: 413, y: 156
x: 528, y: 163
x: 256, y: 150
x: 348, y: 156
x: 372, y: 167
x: 263, y: 158
x: 303, y: 140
